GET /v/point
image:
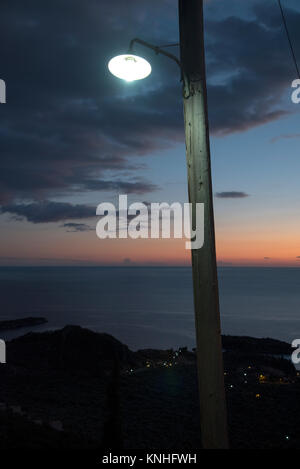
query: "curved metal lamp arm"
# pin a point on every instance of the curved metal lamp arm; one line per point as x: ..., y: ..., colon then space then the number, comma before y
x: 159, y: 50
x: 156, y: 49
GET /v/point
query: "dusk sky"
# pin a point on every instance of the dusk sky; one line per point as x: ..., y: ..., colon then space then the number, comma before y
x: 73, y: 136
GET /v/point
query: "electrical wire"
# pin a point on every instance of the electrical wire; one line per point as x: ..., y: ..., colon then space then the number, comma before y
x: 289, y: 38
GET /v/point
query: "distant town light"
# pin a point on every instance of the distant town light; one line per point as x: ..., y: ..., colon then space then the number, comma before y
x: 129, y: 67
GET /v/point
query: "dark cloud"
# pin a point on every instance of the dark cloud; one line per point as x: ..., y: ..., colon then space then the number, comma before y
x: 284, y: 136
x: 250, y: 67
x: 77, y: 227
x: 267, y: 258
x: 68, y: 126
x: 47, y: 211
x: 68, y: 123
x: 120, y: 186
x: 231, y: 195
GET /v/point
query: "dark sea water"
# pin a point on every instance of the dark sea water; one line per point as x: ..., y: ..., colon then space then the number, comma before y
x: 151, y: 307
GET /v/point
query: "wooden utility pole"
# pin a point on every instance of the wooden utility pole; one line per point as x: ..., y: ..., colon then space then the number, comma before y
x: 206, y: 297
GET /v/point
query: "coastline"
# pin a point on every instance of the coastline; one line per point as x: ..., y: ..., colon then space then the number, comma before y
x: 89, y: 385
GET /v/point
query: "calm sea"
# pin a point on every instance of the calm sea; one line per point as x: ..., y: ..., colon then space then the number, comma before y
x: 151, y: 307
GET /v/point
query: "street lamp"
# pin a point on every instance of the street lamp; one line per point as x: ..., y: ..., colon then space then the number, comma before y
x: 213, y: 419
x: 129, y: 67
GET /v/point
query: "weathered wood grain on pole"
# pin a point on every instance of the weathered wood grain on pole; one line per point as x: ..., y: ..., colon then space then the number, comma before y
x: 205, y: 282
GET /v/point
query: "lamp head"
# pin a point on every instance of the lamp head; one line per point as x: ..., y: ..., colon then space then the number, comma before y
x: 129, y: 67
